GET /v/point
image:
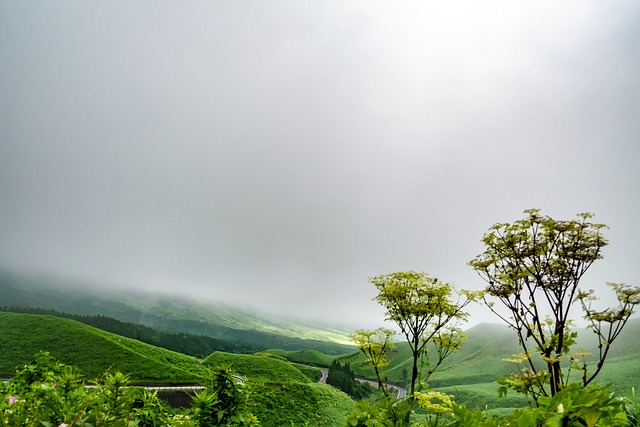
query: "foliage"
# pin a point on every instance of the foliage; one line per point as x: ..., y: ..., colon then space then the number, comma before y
x: 632, y: 408
x: 427, y: 311
x: 222, y: 402
x: 533, y: 268
x: 342, y: 377
x: 386, y: 413
x: 48, y: 393
x: 375, y: 346
x: 574, y: 405
x: 311, y: 372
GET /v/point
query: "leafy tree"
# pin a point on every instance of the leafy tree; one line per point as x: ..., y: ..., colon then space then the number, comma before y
x: 375, y: 345
x: 533, y: 268
x: 427, y: 311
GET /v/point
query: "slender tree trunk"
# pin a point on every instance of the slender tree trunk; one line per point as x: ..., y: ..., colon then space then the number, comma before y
x: 412, y: 388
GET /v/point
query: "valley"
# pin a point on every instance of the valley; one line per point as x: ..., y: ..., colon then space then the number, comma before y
x: 278, y: 369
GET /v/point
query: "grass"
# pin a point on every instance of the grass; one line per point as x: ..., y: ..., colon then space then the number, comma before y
x: 307, y: 357
x: 92, y: 350
x: 282, y: 393
x: 299, y: 404
x: 258, y: 368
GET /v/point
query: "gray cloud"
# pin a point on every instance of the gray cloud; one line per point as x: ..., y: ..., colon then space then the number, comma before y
x: 279, y: 154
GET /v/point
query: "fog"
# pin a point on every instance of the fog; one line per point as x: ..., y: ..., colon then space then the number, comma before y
x: 277, y: 154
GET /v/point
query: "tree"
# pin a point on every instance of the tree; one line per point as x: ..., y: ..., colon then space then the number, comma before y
x: 427, y: 311
x: 341, y: 376
x: 375, y: 345
x: 533, y: 268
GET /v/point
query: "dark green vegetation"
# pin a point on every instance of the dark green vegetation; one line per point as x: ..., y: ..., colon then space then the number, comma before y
x: 341, y: 376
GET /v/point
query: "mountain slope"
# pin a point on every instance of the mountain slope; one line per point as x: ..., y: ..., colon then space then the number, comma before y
x: 481, y: 359
x: 170, y: 313
x: 92, y: 350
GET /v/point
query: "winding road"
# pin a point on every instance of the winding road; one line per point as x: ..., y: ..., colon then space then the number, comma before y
x: 400, y: 392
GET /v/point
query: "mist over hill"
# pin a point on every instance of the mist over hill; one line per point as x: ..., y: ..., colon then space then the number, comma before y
x: 171, y: 314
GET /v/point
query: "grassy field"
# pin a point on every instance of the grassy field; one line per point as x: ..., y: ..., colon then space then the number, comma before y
x: 92, y: 350
x: 299, y: 404
x: 282, y: 392
x: 258, y: 368
x: 307, y: 357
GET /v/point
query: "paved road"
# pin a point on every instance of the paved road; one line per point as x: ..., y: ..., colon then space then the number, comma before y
x: 400, y: 392
x: 325, y: 374
x: 238, y: 379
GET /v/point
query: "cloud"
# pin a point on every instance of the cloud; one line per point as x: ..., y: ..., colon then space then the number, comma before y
x: 279, y: 155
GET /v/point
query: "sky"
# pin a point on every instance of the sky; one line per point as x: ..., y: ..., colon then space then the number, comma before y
x: 278, y: 154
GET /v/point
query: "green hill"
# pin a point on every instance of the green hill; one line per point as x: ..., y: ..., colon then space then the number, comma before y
x: 281, y: 394
x: 306, y: 357
x: 299, y: 404
x: 258, y: 368
x: 471, y: 373
x: 169, y: 313
x: 92, y: 350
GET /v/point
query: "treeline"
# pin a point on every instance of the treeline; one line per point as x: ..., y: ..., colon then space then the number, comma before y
x: 342, y: 377
x: 206, y: 339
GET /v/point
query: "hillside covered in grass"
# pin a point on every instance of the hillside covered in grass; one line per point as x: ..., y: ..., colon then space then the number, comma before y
x: 258, y: 368
x: 471, y: 373
x: 247, y: 329
x: 308, y: 357
x: 282, y: 393
x: 91, y: 350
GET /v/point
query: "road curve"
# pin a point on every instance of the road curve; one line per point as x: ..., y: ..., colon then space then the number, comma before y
x: 400, y: 392
x: 325, y: 374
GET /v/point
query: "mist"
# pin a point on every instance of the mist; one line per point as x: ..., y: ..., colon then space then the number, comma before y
x: 276, y: 155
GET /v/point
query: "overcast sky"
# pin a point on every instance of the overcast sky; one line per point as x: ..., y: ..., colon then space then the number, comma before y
x: 279, y: 153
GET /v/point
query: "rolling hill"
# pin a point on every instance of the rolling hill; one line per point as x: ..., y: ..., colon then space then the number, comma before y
x: 471, y: 373
x: 91, y: 350
x: 171, y: 314
x: 279, y: 392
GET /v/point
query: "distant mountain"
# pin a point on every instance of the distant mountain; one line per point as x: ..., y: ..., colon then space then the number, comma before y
x: 168, y: 313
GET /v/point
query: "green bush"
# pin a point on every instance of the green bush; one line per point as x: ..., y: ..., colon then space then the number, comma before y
x: 47, y: 393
